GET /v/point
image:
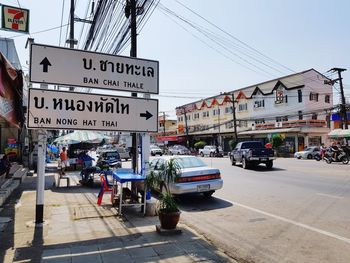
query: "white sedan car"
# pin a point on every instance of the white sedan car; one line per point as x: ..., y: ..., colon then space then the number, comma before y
x: 308, y: 153
x: 195, y: 177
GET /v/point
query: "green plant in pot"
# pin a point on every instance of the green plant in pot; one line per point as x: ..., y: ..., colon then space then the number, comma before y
x: 169, y: 213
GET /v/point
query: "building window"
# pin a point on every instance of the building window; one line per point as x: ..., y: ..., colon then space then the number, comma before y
x: 180, y: 119
x: 260, y: 121
x: 300, y: 96
x: 196, y: 116
x: 216, y: 112
x: 313, y: 96
x: 188, y: 117
x: 259, y: 104
x: 243, y: 124
x: 282, y: 118
x: 229, y: 125
x: 300, y: 114
x: 205, y: 114
x: 242, y: 107
x: 279, y: 96
x: 228, y: 110
x: 327, y: 99
x: 314, y: 116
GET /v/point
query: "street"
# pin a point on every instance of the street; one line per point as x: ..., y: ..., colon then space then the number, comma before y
x: 297, y: 212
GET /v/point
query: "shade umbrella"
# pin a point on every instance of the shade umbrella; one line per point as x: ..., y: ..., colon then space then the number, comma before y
x: 82, y: 136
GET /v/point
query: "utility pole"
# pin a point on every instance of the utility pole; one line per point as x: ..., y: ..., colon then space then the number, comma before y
x: 71, y: 39
x: 343, y: 102
x: 131, y: 10
x: 186, y: 128
x: 234, y: 117
x: 163, y: 123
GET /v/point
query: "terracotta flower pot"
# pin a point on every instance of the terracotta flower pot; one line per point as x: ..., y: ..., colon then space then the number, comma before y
x: 169, y: 220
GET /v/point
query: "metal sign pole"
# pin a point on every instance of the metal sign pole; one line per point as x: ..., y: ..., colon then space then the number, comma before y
x: 40, y: 186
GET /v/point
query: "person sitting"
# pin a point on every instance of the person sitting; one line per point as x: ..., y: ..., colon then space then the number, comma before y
x: 5, y: 166
x: 86, y: 159
x: 335, y: 150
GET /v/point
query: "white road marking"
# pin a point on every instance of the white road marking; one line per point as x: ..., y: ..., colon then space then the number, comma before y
x: 332, y: 196
x: 314, y: 229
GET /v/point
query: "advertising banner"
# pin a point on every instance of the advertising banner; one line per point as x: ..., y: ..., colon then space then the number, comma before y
x: 11, y: 87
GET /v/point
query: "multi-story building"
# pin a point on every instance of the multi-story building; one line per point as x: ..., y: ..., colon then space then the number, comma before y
x: 167, y: 131
x: 296, y: 106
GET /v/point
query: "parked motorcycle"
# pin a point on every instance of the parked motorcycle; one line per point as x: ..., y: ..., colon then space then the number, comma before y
x: 340, y: 157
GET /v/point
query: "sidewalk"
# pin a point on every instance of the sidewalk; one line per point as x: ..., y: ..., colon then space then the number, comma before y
x: 77, y: 230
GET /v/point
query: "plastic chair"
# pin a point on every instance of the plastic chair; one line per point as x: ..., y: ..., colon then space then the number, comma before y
x: 105, y: 187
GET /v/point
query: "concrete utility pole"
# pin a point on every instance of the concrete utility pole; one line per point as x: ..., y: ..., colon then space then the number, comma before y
x: 71, y: 39
x: 343, y: 102
x: 234, y: 117
x: 233, y: 114
x: 131, y: 11
x: 186, y: 128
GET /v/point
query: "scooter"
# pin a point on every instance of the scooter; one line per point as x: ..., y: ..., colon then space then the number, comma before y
x: 340, y: 157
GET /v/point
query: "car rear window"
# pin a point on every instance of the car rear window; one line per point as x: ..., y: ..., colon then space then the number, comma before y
x: 252, y: 145
x: 190, y: 162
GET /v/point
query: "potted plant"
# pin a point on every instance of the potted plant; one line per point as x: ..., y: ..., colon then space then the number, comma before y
x: 168, y: 212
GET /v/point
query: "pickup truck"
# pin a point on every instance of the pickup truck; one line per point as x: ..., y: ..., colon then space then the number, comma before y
x: 210, y: 150
x: 252, y: 153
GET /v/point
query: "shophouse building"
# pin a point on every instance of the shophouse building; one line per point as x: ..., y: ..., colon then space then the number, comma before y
x: 297, y: 107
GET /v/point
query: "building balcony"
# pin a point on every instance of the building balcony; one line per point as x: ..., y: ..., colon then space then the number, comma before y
x: 292, y: 124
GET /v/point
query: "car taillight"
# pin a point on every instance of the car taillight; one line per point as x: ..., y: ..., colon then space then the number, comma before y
x: 198, y: 178
x: 250, y: 153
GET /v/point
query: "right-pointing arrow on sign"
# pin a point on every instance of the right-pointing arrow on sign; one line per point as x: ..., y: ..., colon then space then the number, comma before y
x: 146, y: 115
x: 46, y: 63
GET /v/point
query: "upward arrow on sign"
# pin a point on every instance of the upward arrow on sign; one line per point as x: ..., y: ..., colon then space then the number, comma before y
x: 46, y: 63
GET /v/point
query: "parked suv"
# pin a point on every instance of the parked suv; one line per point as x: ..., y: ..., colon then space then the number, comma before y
x: 211, y: 150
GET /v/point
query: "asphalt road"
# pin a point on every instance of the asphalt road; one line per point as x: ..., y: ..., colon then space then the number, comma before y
x: 297, y: 212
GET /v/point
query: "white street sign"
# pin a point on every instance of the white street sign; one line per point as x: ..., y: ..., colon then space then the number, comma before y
x: 72, y: 67
x: 51, y: 109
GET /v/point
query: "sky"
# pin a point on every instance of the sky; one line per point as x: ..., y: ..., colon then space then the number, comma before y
x: 245, y: 42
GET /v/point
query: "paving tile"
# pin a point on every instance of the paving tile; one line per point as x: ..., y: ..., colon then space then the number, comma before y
x: 142, y: 252
x: 168, y: 249
x: 113, y: 257
x: 56, y: 252
x: 95, y: 258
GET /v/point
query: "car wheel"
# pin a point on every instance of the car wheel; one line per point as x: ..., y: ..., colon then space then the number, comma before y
x: 244, y: 163
x: 202, y: 154
x: 299, y: 157
x: 269, y: 164
x: 309, y: 156
x: 153, y: 154
x: 233, y: 162
x: 208, y: 194
x: 211, y: 154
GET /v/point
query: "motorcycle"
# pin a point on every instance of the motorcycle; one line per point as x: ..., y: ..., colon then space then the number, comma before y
x: 340, y: 157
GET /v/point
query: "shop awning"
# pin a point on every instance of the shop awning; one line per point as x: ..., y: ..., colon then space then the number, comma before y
x: 269, y: 131
x: 339, y: 133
